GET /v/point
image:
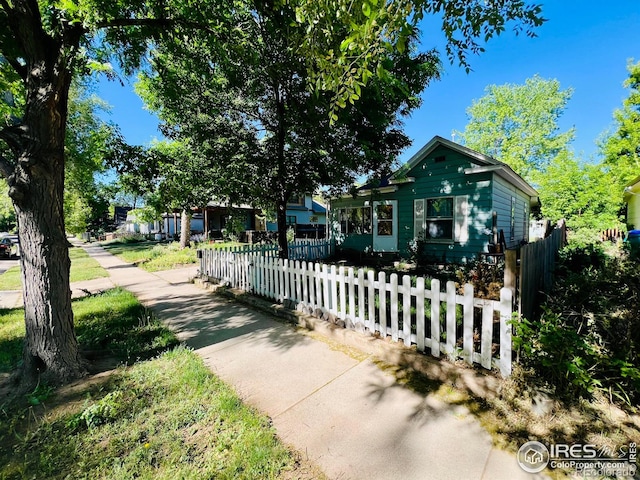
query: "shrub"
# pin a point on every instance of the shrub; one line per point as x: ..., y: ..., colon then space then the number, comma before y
x: 583, y: 250
x: 588, y: 337
x: 415, y: 247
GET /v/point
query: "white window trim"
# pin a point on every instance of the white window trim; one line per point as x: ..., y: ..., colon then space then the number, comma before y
x: 460, y: 222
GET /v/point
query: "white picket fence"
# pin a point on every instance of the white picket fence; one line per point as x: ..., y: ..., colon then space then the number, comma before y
x: 299, y: 249
x: 406, y: 309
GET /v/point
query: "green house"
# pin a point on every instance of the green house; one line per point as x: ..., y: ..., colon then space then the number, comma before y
x: 459, y: 201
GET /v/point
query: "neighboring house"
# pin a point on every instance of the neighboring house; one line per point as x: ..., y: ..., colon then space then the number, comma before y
x: 307, y: 216
x: 213, y: 219
x: 134, y: 225
x: 454, y: 198
x: 120, y: 215
x: 632, y: 198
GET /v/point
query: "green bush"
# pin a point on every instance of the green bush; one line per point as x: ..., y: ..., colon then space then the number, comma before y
x: 583, y: 250
x: 560, y: 355
x: 588, y: 336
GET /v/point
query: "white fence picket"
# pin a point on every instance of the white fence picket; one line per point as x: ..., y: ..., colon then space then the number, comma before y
x: 371, y: 301
x: 393, y: 301
x: 467, y: 324
x: 365, y: 302
x: 382, y: 300
x: 420, y: 314
x: 406, y: 310
x: 361, y: 304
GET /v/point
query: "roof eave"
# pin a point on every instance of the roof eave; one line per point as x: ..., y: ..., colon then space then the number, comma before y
x: 505, y: 172
x: 437, y: 141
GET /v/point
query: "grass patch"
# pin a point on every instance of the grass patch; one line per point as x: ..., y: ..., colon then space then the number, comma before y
x: 152, y: 256
x: 83, y: 267
x: 11, y: 338
x: 112, y: 323
x: 11, y: 279
x: 164, y: 418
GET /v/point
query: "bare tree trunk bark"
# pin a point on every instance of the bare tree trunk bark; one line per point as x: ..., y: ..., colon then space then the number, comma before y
x: 37, y: 188
x: 185, y: 229
x: 51, y: 347
x: 35, y: 175
x: 281, y: 216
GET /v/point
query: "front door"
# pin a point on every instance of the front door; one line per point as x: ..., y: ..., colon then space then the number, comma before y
x: 385, y: 226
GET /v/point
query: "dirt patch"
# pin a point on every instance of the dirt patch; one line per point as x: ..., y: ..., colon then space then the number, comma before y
x: 303, y: 469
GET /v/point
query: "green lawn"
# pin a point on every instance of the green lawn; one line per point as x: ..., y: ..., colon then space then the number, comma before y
x: 112, y: 322
x: 83, y: 267
x: 164, y: 418
x: 153, y: 256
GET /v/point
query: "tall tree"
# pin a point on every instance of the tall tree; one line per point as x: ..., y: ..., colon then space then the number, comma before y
x: 43, y: 44
x: 169, y: 175
x: 85, y: 202
x: 518, y: 124
x: 621, y: 149
x: 284, y: 139
x: 579, y: 193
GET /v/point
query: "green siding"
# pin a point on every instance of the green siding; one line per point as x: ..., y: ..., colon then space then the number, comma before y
x: 443, y: 179
x: 359, y: 242
x: 485, y: 193
x: 503, y: 192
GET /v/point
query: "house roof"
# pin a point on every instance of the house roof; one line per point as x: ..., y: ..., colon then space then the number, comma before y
x: 631, y: 188
x: 242, y: 206
x: 484, y: 164
x: 317, y: 207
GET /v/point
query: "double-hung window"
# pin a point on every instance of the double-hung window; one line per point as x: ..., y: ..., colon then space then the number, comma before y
x: 441, y: 219
x: 355, y: 220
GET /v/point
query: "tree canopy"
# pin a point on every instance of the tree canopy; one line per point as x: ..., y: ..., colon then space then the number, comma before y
x: 267, y: 137
x: 580, y: 193
x: 518, y: 124
x: 621, y: 149
x: 86, y: 204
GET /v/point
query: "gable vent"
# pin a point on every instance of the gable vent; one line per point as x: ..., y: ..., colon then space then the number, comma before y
x: 439, y: 159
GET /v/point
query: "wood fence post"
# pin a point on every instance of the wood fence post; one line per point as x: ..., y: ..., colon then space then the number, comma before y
x: 511, y: 271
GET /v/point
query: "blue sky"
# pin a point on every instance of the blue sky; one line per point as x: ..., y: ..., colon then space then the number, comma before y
x: 585, y: 45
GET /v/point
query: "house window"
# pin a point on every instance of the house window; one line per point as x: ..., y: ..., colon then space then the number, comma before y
x: 442, y: 219
x: 291, y: 220
x: 355, y: 220
x: 296, y: 201
x: 512, y: 235
x: 525, y: 222
x: 385, y: 220
x: 439, y: 219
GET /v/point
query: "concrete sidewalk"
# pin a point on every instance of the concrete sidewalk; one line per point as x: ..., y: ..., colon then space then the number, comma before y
x: 351, y: 418
x: 13, y: 298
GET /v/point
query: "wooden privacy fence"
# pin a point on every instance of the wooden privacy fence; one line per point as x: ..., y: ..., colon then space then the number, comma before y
x: 537, y: 263
x: 450, y: 322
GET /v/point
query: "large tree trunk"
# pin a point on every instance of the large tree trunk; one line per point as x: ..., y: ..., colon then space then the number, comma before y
x: 185, y: 229
x: 35, y: 176
x: 51, y: 348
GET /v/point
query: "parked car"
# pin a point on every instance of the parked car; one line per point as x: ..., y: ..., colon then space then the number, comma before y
x: 7, y: 248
